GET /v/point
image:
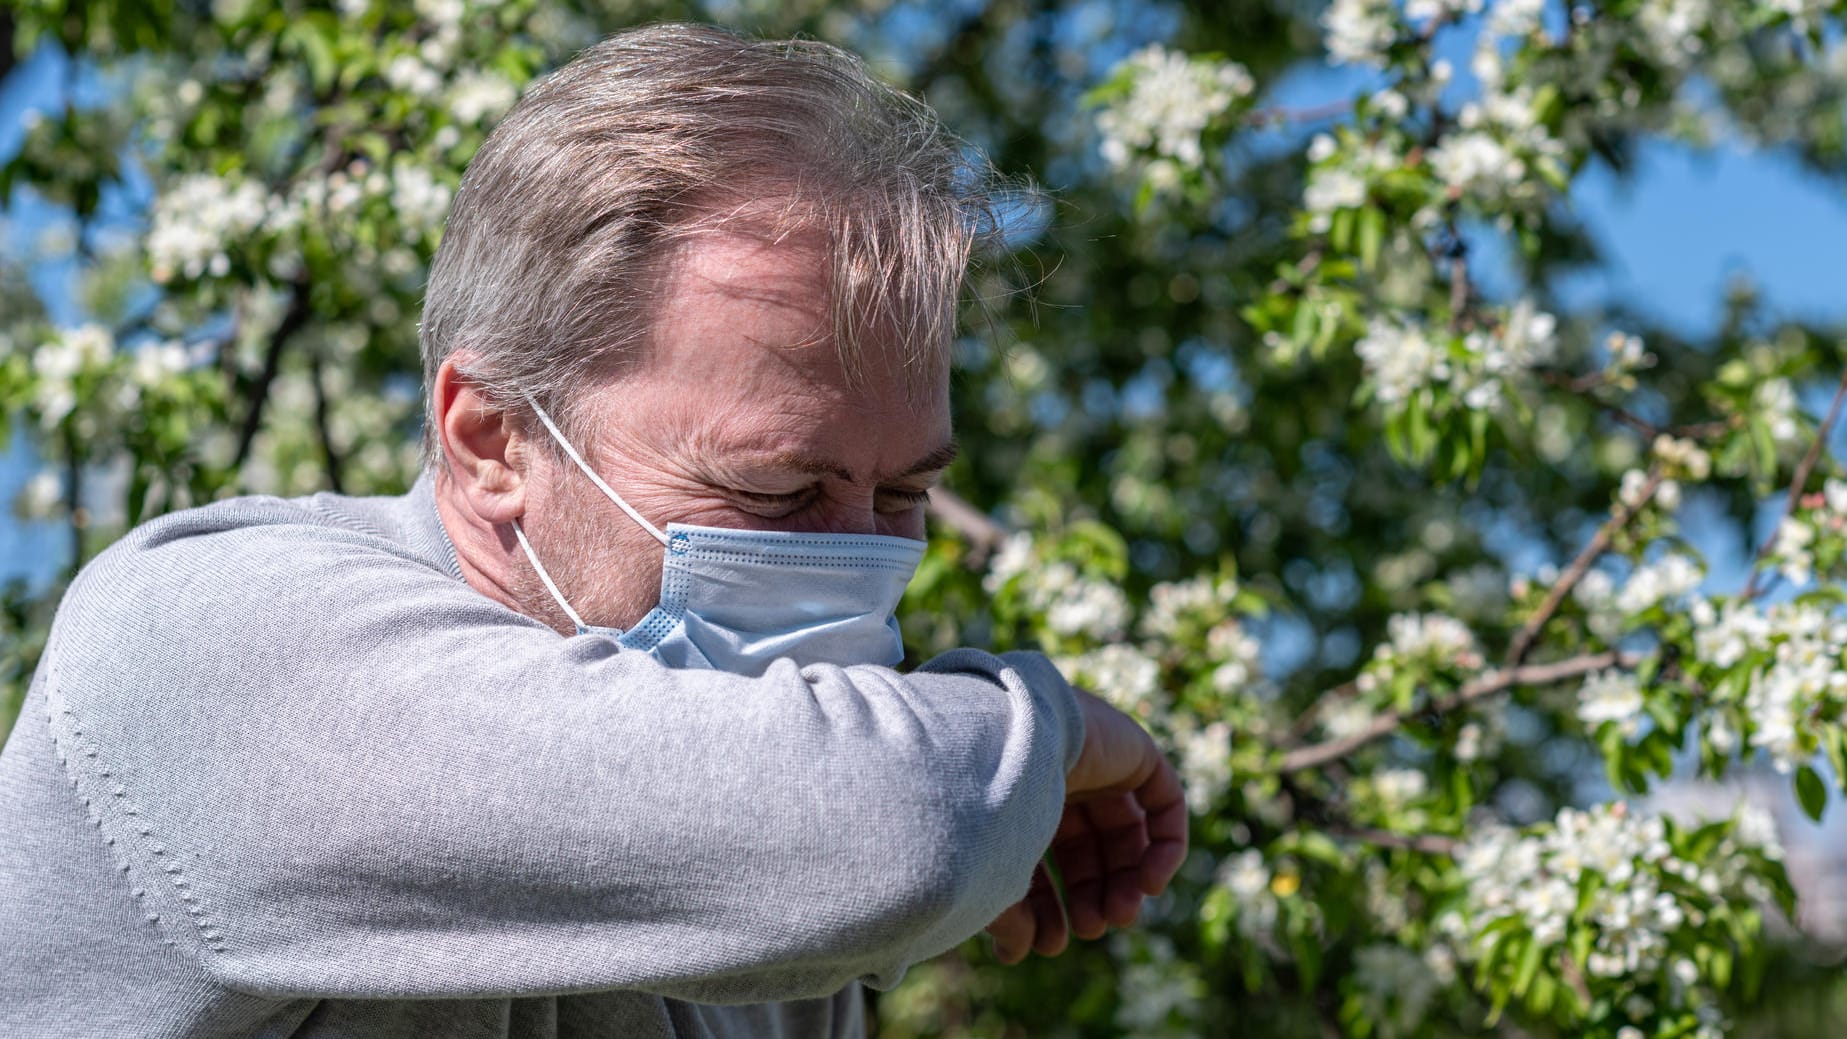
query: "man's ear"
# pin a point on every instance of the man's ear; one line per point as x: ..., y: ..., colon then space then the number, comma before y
x: 483, y: 449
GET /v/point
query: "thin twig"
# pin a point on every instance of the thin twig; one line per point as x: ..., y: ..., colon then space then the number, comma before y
x: 1796, y: 484
x: 1277, y: 116
x: 1529, y: 632
x: 1427, y: 843
x: 1488, y: 684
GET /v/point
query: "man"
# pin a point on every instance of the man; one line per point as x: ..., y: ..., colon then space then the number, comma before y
x: 595, y: 732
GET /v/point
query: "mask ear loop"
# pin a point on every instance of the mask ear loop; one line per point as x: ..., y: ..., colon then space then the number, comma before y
x: 550, y: 586
x: 591, y: 473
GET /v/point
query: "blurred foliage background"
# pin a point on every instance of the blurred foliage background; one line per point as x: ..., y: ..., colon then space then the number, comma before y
x: 1247, y: 444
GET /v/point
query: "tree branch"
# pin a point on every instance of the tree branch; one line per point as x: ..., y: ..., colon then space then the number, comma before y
x: 1458, y: 281
x: 1306, y: 721
x: 292, y: 321
x: 1796, y: 484
x: 1582, y: 385
x: 1488, y: 684
x: 1529, y: 632
x: 981, y: 532
x: 335, y: 465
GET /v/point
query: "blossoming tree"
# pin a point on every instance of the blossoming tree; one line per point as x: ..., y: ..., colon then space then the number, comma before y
x: 1254, y: 455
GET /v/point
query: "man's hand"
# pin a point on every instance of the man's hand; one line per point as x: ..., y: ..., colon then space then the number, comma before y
x: 1122, y: 838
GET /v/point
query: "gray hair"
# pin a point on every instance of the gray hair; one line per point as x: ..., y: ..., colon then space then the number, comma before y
x: 569, y: 212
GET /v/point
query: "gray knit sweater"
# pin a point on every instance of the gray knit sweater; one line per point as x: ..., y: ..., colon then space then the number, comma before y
x: 282, y: 772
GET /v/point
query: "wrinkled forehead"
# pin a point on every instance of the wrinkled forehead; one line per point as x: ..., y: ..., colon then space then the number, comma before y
x: 883, y: 302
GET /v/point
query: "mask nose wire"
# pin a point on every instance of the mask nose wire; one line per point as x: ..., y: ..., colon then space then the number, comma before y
x: 552, y: 428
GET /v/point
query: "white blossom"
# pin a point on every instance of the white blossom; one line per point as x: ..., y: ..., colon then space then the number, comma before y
x: 1121, y: 674
x: 1203, y: 596
x: 1791, y: 549
x: 1171, y: 101
x: 418, y: 198
x: 1423, y: 10
x: 1633, y: 486
x: 1611, y: 696
x: 478, y: 95
x: 1514, y: 17
x: 1391, y: 104
x: 1152, y: 993
x: 1333, y: 188
x: 1536, y: 877
x: 1475, y: 162
x: 1431, y: 636
x: 72, y: 351
x: 410, y: 74
x: 1834, y: 495
x: 1359, y: 31
x: 1774, y: 403
x: 1400, y: 359
x: 1205, y: 763
x: 197, y: 220
x: 1804, y: 645
x: 1527, y: 338
x: 1346, y: 719
x: 1685, y: 455
x: 1238, y: 656
x: 1398, y: 787
x: 1244, y: 875
x: 157, y: 362
x: 1668, y: 579
x: 1473, y: 742
x: 440, y: 14
x: 1672, y: 27
x: 1014, y: 557
x: 1396, y: 986
x: 1624, y: 355
x: 39, y: 498
x: 1093, y: 609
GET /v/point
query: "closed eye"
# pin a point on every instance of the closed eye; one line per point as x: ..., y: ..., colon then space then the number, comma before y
x: 893, y: 499
x: 773, y: 505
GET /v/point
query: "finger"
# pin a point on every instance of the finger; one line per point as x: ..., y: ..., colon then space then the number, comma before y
x: 1080, y: 861
x: 1101, y: 859
x: 1119, y: 825
x: 1012, y: 931
x: 1122, y: 824
x: 1050, y: 932
x: 1164, y: 801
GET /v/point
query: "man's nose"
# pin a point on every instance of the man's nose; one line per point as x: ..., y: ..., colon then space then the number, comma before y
x: 856, y: 521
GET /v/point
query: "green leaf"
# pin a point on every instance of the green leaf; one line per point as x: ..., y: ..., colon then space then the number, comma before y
x: 1811, y: 792
x: 1372, y: 234
x: 1340, y: 231
x: 1530, y: 958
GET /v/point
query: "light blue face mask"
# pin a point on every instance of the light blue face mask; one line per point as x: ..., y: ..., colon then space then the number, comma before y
x: 736, y: 600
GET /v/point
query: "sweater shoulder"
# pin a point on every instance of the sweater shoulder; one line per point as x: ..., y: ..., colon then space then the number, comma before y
x: 245, y: 561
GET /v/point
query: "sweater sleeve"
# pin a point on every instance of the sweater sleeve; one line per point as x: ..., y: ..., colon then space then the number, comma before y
x: 329, y: 769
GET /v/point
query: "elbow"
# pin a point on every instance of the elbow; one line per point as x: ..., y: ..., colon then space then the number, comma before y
x: 952, y: 870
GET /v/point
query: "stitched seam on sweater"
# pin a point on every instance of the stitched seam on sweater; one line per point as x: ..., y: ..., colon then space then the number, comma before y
x: 73, y: 752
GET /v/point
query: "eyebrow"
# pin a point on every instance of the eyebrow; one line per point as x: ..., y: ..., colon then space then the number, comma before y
x: 938, y: 458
